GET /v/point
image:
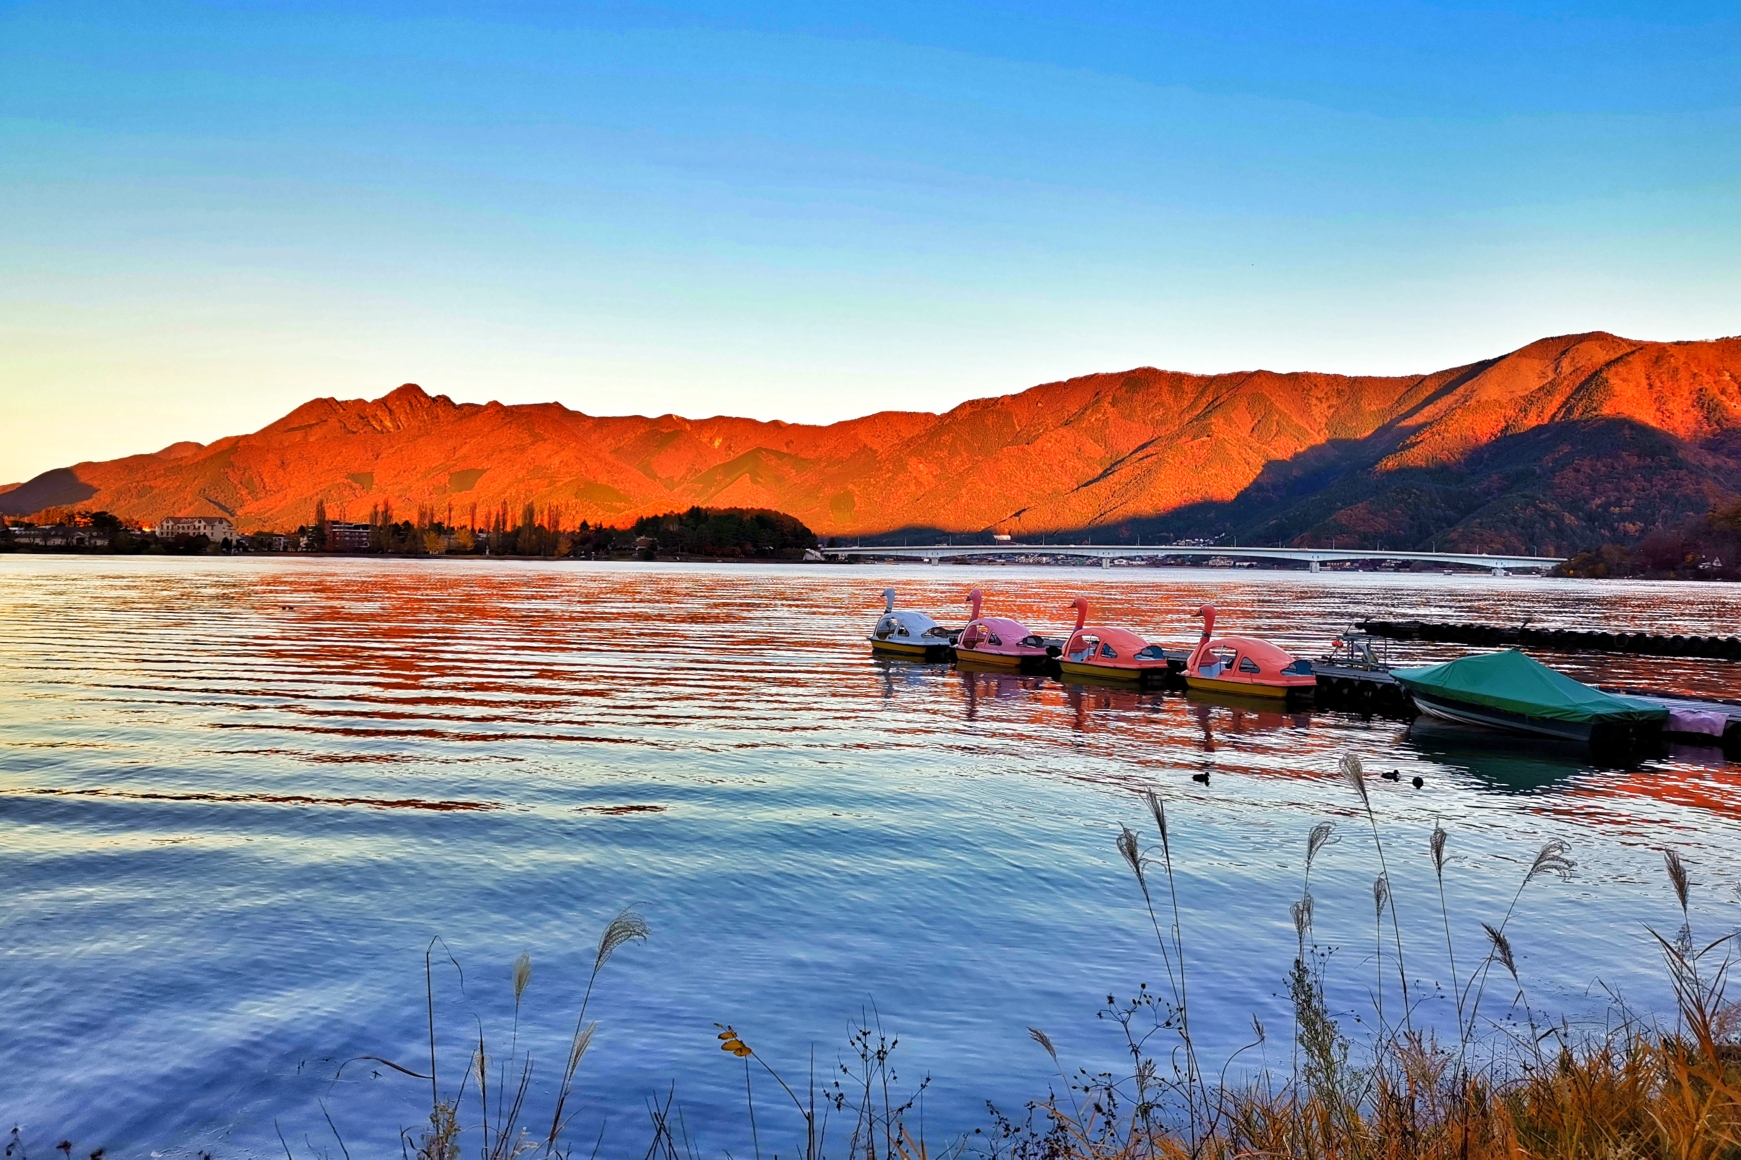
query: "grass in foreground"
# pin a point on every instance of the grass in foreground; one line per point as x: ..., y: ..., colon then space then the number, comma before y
x: 1538, y: 1090
x: 1512, y: 1090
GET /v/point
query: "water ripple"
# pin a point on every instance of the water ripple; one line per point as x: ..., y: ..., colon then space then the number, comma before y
x: 239, y: 797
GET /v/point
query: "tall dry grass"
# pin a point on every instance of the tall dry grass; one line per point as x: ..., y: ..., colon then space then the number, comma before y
x: 1637, y: 1091
x: 1537, y: 1091
x: 485, y: 1113
x: 1494, y: 1091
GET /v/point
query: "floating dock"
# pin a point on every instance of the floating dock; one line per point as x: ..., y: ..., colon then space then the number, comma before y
x: 1366, y: 686
x: 1694, y: 720
x: 1361, y: 690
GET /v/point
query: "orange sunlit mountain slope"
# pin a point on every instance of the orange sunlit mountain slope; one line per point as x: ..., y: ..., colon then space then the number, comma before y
x: 1099, y: 450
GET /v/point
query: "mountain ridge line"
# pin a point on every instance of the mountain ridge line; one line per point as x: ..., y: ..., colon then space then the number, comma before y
x: 1128, y: 449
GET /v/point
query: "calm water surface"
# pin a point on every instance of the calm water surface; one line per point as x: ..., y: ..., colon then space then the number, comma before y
x: 238, y: 799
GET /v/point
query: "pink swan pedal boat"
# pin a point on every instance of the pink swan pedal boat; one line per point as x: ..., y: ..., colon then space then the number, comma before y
x: 907, y: 634
x: 1102, y: 653
x: 999, y: 641
x: 1245, y: 665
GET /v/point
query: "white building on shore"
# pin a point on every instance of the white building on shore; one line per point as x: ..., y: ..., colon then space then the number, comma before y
x: 217, y: 529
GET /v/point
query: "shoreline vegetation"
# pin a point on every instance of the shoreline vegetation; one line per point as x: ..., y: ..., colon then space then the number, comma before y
x: 1511, y: 1082
x: 1706, y: 548
x: 709, y: 533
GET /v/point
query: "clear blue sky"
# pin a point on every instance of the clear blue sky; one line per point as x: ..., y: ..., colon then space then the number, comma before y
x: 209, y: 213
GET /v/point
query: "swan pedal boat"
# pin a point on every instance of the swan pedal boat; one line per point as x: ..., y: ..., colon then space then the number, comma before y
x: 999, y: 642
x: 909, y: 635
x: 1099, y: 652
x: 1245, y: 666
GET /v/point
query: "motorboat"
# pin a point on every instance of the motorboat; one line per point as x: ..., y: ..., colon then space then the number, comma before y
x: 999, y: 641
x: 1510, y: 691
x: 913, y: 635
x: 1102, y: 653
x: 1245, y: 665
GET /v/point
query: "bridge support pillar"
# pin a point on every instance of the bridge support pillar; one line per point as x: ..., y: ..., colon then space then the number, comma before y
x: 1106, y: 561
x: 1315, y: 567
x: 1500, y: 572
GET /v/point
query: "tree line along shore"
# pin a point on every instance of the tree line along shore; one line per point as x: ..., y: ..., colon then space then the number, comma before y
x: 718, y: 533
x: 1706, y: 547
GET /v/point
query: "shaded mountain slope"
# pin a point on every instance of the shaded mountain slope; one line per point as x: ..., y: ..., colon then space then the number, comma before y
x: 1556, y: 489
x: 1105, y: 449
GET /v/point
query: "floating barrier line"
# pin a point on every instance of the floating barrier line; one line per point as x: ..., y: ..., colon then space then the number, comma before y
x: 1721, y: 648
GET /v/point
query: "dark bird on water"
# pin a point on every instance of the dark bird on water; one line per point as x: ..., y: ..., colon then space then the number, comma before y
x: 1392, y: 775
x: 1419, y: 783
x: 1202, y: 777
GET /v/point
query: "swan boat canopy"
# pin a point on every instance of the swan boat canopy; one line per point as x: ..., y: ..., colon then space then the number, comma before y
x: 1099, y: 652
x: 1245, y: 665
x: 909, y: 634
x: 1000, y: 642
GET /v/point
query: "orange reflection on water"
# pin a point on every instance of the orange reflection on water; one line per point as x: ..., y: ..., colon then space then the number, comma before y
x: 391, y: 667
x: 1715, y: 791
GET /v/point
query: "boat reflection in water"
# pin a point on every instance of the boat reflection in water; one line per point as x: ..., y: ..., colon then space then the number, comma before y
x: 1572, y: 782
x: 1503, y: 761
x: 993, y: 684
x: 1141, y: 725
x: 206, y: 760
x: 1095, y: 707
x: 900, y: 673
x: 1233, y: 715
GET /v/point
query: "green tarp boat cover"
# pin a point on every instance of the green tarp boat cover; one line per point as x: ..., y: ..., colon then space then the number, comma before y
x: 1513, y: 682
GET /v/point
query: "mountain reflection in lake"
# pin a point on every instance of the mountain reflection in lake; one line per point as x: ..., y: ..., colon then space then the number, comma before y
x: 239, y: 797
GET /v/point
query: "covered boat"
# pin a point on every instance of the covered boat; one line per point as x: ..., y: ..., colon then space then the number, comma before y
x: 1245, y: 666
x: 1508, y: 690
x: 1000, y: 641
x: 909, y: 634
x: 1101, y: 652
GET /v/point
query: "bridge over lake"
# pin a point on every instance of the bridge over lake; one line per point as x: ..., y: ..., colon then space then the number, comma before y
x: 1313, y: 558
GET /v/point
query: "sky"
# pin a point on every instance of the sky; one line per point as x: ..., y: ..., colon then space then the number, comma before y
x: 210, y: 213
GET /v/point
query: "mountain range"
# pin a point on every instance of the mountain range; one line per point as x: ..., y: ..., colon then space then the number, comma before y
x: 1563, y: 444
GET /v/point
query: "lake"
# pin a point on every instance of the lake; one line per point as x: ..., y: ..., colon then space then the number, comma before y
x: 240, y: 797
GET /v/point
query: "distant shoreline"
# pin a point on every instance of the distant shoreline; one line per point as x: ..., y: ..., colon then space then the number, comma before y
x: 1123, y: 566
